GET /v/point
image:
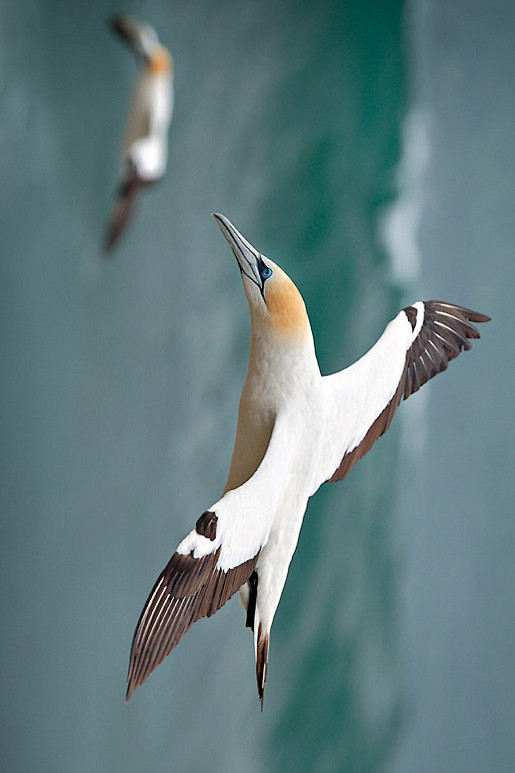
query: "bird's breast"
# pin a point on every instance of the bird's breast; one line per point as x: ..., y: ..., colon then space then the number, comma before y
x: 253, y: 432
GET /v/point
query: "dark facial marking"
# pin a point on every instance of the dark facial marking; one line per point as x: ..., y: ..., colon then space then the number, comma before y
x: 261, y: 265
x: 247, y: 275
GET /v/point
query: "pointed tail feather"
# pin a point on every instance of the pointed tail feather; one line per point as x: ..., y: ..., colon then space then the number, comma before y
x: 262, y: 643
x: 121, y: 212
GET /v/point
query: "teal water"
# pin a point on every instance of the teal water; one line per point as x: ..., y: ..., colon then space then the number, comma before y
x: 391, y: 649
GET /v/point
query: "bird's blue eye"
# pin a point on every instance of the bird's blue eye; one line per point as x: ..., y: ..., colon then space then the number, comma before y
x: 265, y: 272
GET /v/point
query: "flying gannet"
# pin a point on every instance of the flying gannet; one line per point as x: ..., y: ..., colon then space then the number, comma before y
x: 296, y: 430
x: 145, y: 146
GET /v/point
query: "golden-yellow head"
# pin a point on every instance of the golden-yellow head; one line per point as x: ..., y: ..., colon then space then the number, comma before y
x: 274, y: 301
x: 161, y: 62
x: 143, y: 39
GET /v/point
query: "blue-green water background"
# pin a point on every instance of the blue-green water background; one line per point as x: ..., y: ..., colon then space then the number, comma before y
x: 368, y: 147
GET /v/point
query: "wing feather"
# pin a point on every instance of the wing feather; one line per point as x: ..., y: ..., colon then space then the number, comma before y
x: 187, y: 589
x: 210, y: 564
x: 417, y: 345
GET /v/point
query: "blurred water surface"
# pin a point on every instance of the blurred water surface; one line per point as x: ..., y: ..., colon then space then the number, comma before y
x: 335, y: 135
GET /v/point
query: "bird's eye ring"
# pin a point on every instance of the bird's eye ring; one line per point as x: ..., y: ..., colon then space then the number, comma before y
x: 266, y: 272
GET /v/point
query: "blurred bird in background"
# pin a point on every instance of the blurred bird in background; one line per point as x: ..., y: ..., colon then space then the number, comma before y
x: 296, y: 430
x: 145, y: 146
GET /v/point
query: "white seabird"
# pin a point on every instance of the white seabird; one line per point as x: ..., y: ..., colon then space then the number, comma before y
x: 296, y: 430
x: 145, y: 146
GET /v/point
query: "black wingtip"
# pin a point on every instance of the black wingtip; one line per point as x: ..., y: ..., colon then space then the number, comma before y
x: 470, y: 314
x: 132, y: 684
x: 475, y: 316
x: 130, y: 689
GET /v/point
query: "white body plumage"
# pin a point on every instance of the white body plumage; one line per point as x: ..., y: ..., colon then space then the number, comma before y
x: 145, y: 146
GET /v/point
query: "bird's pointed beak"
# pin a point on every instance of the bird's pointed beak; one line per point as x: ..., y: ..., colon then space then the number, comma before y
x: 139, y: 35
x: 247, y: 256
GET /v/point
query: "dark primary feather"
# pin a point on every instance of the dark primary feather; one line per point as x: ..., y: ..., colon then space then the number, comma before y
x: 445, y: 332
x: 186, y: 590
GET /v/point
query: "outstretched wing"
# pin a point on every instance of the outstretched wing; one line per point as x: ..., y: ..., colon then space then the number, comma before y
x: 211, y: 563
x: 187, y: 589
x: 362, y: 399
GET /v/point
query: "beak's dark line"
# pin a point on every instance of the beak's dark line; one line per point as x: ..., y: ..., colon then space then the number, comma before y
x: 241, y: 256
x: 242, y: 271
x: 248, y: 276
x: 261, y: 288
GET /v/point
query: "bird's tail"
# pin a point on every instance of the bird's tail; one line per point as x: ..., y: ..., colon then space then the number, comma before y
x: 261, y: 644
x: 248, y: 597
x: 121, y: 211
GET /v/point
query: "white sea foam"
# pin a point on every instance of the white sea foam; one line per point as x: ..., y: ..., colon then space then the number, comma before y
x: 399, y: 227
x: 399, y: 233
